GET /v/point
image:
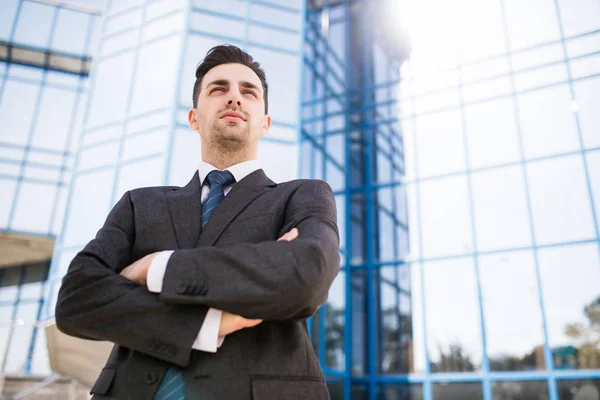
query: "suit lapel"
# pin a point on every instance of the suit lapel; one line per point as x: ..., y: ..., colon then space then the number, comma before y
x: 240, y: 196
x: 184, y: 205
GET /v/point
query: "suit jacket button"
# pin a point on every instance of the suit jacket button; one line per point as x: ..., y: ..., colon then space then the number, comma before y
x: 151, y: 378
x: 182, y: 288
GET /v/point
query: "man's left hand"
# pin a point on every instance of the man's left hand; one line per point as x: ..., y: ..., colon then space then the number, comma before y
x: 138, y: 271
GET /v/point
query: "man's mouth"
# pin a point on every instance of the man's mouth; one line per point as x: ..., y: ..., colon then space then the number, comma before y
x: 233, y: 116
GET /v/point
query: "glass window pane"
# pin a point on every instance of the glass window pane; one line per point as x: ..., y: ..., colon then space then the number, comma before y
x: 524, y: 390
x: 170, y: 24
x: 21, y: 337
x: 521, y: 32
x: 34, y: 24
x: 554, y: 133
x: 17, y: 110
x: 90, y: 202
x: 452, y: 312
x: 359, y: 323
x: 445, y: 217
x: 335, y: 323
x: 418, y: 329
x: 206, y: 23
x: 155, y: 76
x: 515, y: 340
x: 492, y: 133
x: 280, y: 161
x: 569, y: 277
x: 144, y: 144
x: 395, y: 324
x: 440, y: 145
x: 587, y: 97
x: 275, y: 16
x: 102, y: 155
x: 581, y: 389
x: 55, y: 117
x: 400, y: 392
x: 34, y: 208
x: 501, y: 217
x: 123, y: 21
x: 185, y: 155
x: 40, y: 364
x: 456, y: 391
x: 336, y: 389
x: 71, y: 31
x: 593, y: 164
x: 109, y: 97
x: 560, y: 200
x: 231, y: 7
x: 138, y: 174
x: 481, y: 36
x: 7, y: 18
x: 7, y: 194
x: 579, y: 16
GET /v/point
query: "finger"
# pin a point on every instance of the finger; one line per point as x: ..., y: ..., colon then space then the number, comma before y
x: 285, y: 237
x: 289, y: 236
x: 252, y: 322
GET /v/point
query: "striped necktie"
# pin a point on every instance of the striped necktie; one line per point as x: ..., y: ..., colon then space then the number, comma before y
x: 172, y: 386
x: 217, y: 181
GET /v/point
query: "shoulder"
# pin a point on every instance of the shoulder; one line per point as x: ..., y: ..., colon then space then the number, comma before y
x: 151, y: 190
x: 306, y: 184
x: 309, y: 192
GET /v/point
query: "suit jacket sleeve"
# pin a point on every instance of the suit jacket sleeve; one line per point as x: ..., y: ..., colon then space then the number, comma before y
x: 273, y: 280
x: 95, y: 302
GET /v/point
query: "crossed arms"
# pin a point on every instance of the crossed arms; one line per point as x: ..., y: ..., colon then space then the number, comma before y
x: 275, y: 280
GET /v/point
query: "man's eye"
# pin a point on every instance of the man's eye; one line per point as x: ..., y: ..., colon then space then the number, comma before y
x: 250, y: 92
x: 220, y: 89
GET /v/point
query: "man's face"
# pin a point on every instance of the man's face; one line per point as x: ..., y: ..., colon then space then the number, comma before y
x: 230, y: 110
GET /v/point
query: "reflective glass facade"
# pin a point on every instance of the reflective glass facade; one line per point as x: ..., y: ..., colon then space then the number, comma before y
x: 465, y: 163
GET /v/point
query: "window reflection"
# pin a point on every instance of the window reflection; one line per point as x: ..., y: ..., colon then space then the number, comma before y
x: 514, y: 390
x: 359, y: 323
x: 569, y: 277
x: 513, y: 320
x: 453, y: 325
x: 334, y: 324
x: 395, y: 319
x: 400, y: 392
x: 457, y: 391
x: 584, y: 389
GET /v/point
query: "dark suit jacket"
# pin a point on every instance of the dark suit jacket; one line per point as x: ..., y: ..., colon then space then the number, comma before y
x: 236, y: 264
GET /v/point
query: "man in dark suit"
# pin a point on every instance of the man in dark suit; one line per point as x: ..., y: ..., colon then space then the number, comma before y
x: 205, y: 289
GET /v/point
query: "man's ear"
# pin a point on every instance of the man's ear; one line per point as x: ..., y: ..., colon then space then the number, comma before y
x: 266, y: 124
x: 193, y: 119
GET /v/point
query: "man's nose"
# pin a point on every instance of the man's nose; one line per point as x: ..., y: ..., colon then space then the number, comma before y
x: 234, y: 98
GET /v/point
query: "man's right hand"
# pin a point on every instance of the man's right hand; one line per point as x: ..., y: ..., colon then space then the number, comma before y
x: 230, y: 322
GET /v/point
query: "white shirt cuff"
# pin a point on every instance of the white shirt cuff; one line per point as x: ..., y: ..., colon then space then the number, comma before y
x: 156, y: 271
x: 208, y: 338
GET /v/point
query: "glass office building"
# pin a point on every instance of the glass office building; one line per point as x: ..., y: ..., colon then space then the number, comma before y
x: 460, y: 139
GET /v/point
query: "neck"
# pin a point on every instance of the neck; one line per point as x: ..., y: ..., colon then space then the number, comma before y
x: 223, y: 159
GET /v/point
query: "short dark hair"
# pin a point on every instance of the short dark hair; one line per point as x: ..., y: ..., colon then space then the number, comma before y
x: 227, y: 54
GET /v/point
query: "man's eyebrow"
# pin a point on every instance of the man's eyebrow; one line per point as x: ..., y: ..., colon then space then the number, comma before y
x: 219, y: 82
x: 248, y: 85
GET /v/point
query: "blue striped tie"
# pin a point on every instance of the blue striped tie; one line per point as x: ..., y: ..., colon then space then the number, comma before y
x: 217, y: 181
x: 172, y: 386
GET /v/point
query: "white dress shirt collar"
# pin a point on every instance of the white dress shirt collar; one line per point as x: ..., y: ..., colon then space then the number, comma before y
x: 239, y: 171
